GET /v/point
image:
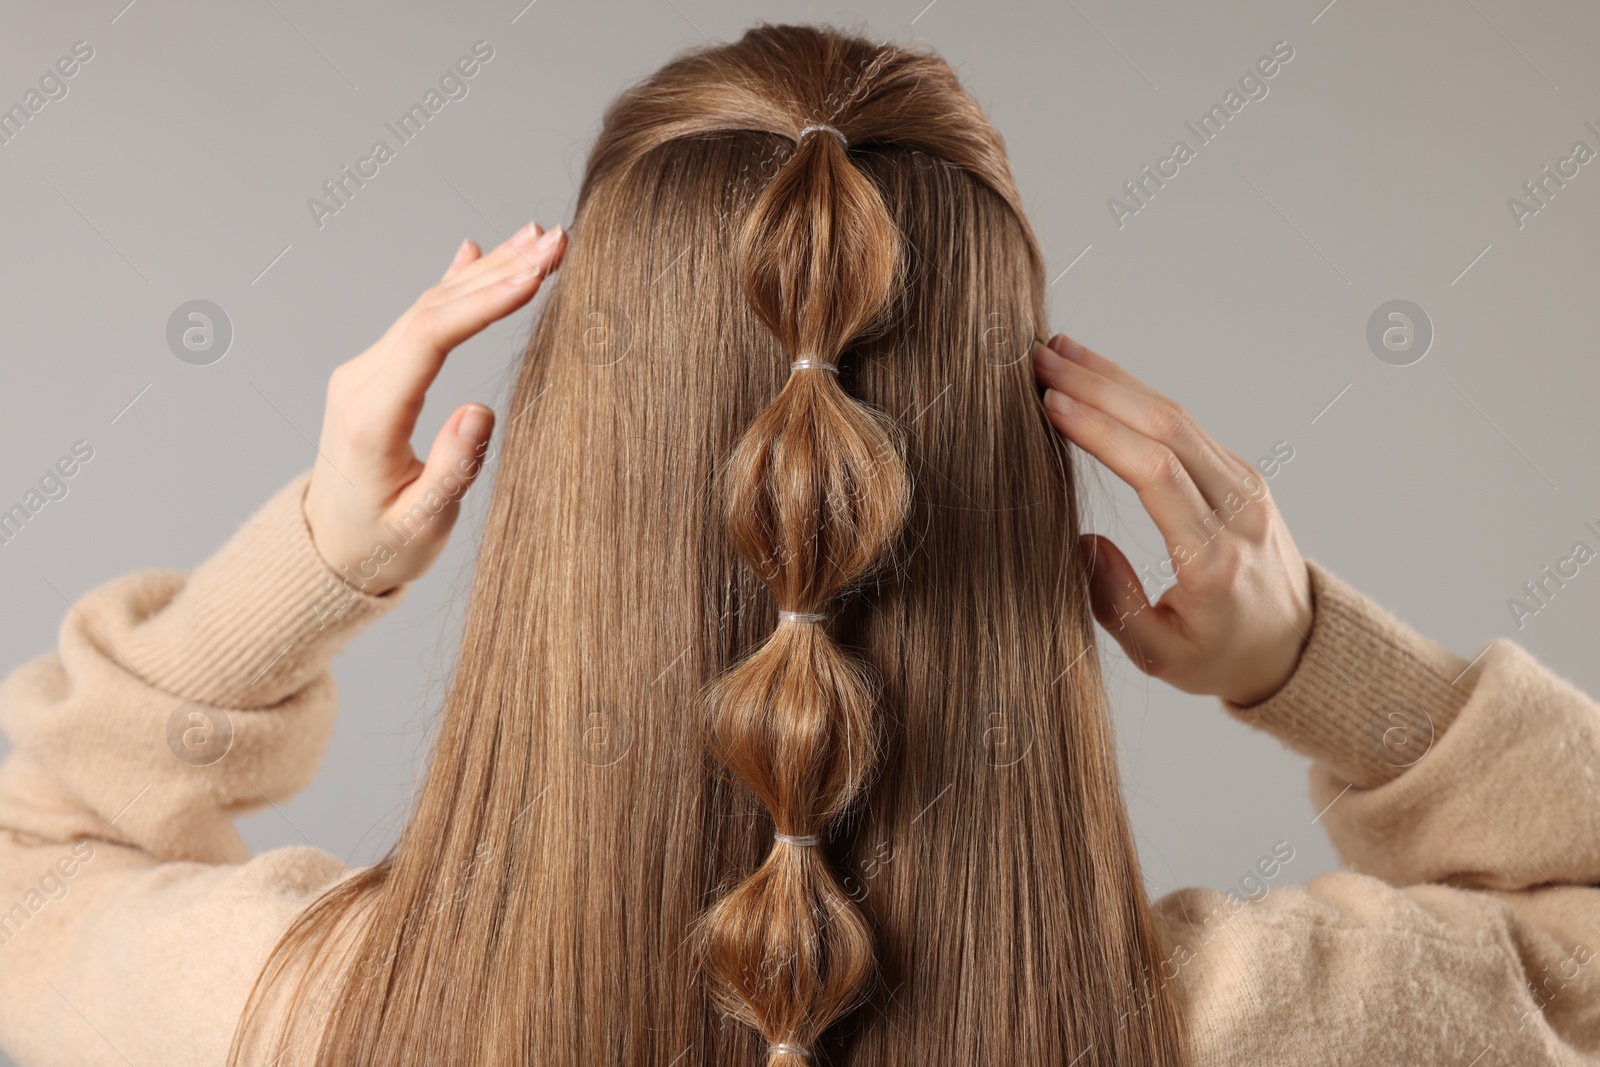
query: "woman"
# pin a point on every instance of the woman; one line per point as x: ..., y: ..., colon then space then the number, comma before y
x: 776, y: 736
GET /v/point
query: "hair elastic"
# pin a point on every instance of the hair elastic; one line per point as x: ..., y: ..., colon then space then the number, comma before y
x: 813, y: 364
x: 784, y: 1046
x: 801, y: 616
x: 803, y: 840
x: 801, y: 136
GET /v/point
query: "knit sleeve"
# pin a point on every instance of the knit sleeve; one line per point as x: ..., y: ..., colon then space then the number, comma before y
x: 1427, y: 767
x: 1348, y: 969
x: 132, y: 918
x: 1464, y: 796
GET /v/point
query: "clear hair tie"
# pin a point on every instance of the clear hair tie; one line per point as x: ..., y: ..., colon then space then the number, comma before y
x: 813, y: 364
x: 819, y: 127
x: 802, y: 840
x: 784, y: 1046
x: 801, y: 616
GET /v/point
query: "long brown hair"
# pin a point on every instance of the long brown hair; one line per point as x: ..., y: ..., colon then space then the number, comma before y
x: 591, y: 874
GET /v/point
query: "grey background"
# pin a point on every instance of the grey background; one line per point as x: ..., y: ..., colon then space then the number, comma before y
x: 1377, y: 167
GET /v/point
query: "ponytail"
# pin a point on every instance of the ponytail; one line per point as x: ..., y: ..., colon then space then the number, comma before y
x: 816, y: 492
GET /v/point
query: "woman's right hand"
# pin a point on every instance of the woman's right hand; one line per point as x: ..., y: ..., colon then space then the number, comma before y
x: 377, y: 513
x: 1236, y: 622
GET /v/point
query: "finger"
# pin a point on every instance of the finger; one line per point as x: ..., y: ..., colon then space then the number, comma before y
x: 526, y: 250
x: 430, y: 503
x: 1156, y: 418
x: 1122, y: 608
x: 465, y: 274
x: 1245, y: 468
x: 495, y: 297
x: 543, y: 256
x: 467, y: 253
x: 463, y: 269
x: 428, y: 336
x: 1110, y: 368
x: 1150, y: 467
x: 512, y: 248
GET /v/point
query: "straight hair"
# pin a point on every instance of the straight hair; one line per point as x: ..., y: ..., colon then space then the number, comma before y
x: 591, y: 874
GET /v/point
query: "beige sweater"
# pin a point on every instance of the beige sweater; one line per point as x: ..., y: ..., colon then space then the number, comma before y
x: 133, y: 920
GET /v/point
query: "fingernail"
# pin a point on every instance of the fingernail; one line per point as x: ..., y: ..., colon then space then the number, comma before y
x: 1055, y: 400
x: 548, y: 241
x: 1070, y: 348
x: 1040, y: 349
x: 524, y: 277
x: 474, y: 425
x: 526, y: 234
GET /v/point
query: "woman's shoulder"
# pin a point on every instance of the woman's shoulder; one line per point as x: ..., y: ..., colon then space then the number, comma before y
x: 1350, y: 969
x: 160, y: 957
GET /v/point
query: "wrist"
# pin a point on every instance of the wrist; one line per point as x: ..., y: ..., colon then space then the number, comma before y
x: 1280, y: 665
x: 1370, y: 695
x: 362, y: 571
x: 1280, y: 661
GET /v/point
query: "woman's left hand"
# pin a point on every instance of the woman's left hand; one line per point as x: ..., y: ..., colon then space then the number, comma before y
x: 1236, y: 620
x: 367, y: 482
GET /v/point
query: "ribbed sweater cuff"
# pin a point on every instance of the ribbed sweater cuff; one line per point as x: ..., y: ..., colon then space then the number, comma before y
x: 258, y: 619
x: 1370, y: 695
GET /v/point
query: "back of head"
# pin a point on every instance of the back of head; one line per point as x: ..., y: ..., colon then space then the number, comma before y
x: 724, y: 607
